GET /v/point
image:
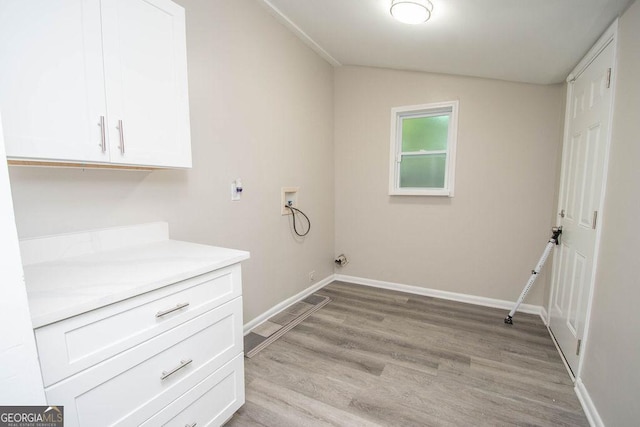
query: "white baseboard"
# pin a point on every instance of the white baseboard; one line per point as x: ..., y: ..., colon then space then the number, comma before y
x: 286, y: 303
x: 544, y: 316
x: 587, y: 405
x: 453, y: 296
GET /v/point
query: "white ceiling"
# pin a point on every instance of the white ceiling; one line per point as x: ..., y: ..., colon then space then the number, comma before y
x: 516, y: 40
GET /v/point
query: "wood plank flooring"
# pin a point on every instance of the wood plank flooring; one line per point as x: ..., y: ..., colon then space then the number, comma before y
x: 375, y: 357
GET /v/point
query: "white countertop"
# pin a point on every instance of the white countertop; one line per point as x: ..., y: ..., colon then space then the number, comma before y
x: 68, y: 286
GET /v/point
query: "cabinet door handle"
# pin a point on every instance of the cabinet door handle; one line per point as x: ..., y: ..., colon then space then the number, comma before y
x: 103, y: 135
x: 171, y: 310
x: 167, y: 374
x: 121, y: 133
x: 191, y: 425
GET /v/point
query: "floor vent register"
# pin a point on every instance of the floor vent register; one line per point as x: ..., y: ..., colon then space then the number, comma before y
x: 275, y: 327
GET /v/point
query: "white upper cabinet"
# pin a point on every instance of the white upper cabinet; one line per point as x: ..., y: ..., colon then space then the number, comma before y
x: 51, y: 80
x: 145, y: 62
x: 90, y: 81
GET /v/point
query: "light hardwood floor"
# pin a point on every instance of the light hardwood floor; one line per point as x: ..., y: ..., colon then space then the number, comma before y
x: 374, y: 357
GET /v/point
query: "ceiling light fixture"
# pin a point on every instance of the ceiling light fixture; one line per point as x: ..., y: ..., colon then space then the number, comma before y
x: 411, y: 11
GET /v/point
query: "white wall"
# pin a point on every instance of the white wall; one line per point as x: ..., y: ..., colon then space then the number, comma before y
x: 486, y: 239
x: 261, y: 109
x: 610, y: 371
x: 20, y: 379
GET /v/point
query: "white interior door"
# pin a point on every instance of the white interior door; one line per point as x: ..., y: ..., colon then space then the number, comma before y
x: 581, y: 191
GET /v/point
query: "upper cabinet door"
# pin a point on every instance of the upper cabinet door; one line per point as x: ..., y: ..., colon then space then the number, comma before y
x: 51, y: 80
x: 145, y: 66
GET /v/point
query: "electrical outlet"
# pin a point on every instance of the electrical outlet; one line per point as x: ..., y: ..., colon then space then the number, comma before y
x: 312, y: 276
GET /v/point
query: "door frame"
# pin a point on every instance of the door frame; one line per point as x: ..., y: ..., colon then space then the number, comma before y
x: 609, y: 37
x: 20, y: 373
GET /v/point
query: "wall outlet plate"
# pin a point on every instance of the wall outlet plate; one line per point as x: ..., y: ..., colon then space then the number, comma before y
x: 289, y: 197
x: 235, y: 195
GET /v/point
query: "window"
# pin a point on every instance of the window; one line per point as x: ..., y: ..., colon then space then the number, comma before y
x: 423, y: 149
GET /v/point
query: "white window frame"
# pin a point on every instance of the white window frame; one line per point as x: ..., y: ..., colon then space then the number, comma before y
x: 424, y: 110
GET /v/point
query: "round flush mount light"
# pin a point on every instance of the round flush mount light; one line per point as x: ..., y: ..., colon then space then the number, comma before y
x: 411, y: 11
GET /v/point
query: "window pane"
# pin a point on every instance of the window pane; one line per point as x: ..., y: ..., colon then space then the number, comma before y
x: 425, y: 133
x: 426, y: 171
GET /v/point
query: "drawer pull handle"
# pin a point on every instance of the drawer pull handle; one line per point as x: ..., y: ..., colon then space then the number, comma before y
x: 191, y: 425
x: 171, y: 310
x: 182, y: 364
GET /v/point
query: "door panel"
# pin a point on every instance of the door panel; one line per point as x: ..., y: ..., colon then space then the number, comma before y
x: 51, y: 79
x: 145, y: 68
x: 560, y: 292
x: 580, y: 199
x: 577, y: 278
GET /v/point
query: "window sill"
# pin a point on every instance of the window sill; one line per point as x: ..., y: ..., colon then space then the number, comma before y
x: 420, y: 192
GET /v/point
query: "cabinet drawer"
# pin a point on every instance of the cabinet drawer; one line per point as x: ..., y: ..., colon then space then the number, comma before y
x: 132, y: 383
x: 74, y: 344
x: 210, y: 403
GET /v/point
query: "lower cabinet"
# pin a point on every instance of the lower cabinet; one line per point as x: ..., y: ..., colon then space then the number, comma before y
x: 191, y: 374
